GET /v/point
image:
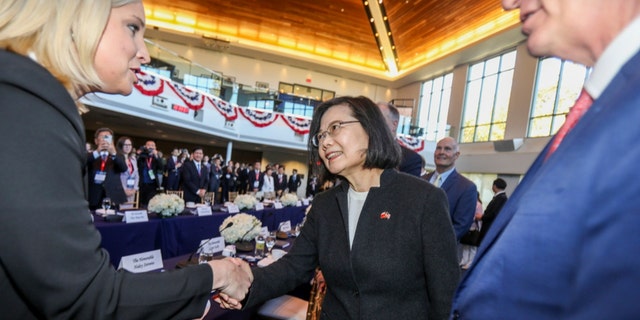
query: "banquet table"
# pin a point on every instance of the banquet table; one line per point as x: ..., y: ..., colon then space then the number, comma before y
x: 179, y: 235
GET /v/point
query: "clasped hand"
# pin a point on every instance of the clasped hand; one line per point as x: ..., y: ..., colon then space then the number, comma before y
x: 232, y: 277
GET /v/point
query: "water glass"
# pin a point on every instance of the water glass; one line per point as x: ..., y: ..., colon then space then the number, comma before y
x: 259, y: 251
x: 106, y: 205
x: 205, y: 255
x: 271, y: 241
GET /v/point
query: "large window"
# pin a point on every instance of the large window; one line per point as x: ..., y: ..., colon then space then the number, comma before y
x: 558, y: 85
x: 487, y: 99
x: 203, y: 83
x: 434, y: 107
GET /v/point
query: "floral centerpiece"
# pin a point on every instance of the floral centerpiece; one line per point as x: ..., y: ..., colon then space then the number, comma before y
x: 289, y: 199
x: 245, y: 201
x: 244, y: 227
x: 167, y: 205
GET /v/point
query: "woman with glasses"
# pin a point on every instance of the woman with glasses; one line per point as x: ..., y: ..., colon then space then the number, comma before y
x: 382, y: 239
x: 130, y: 177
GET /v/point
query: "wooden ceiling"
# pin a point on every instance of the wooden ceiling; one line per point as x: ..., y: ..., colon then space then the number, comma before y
x: 339, y: 31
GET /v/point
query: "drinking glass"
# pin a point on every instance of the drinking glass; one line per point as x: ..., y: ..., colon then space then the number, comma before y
x: 259, y: 251
x: 271, y: 241
x: 205, y: 255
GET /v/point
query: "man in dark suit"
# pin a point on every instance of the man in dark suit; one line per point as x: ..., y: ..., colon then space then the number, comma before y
x: 104, y: 167
x: 565, y: 244
x: 174, y: 170
x: 215, y: 174
x: 280, y: 181
x: 494, y: 206
x: 255, y: 178
x: 149, y: 169
x: 294, y: 181
x: 195, y: 177
x: 461, y: 192
x: 411, y: 160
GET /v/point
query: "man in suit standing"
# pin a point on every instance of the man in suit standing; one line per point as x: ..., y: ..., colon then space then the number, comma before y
x: 256, y: 178
x: 195, y: 177
x: 494, y: 206
x: 104, y: 167
x: 411, y: 160
x: 174, y: 170
x: 215, y: 174
x: 280, y: 181
x: 149, y: 169
x: 565, y: 244
x: 461, y: 192
x: 294, y: 182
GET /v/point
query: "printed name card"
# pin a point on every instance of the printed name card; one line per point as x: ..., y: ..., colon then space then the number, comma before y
x: 133, y: 216
x: 277, y: 205
x: 204, y: 211
x: 142, y: 262
x: 212, y: 245
x: 259, y: 206
x: 233, y: 208
x: 285, y: 226
x: 264, y: 231
x: 305, y: 202
x: 299, y: 203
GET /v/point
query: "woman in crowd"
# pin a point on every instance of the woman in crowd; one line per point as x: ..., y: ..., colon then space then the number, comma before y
x: 51, y: 53
x: 383, y: 239
x: 130, y: 177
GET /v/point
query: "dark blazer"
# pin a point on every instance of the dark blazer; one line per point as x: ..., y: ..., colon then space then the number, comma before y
x: 277, y: 185
x: 112, y: 185
x: 463, y: 196
x: 52, y: 264
x: 411, y: 162
x: 252, y: 180
x: 294, y: 183
x: 215, y: 174
x: 192, y: 180
x: 565, y: 244
x: 173, y: 174
x: 491, y: 212
x: 403, y: 267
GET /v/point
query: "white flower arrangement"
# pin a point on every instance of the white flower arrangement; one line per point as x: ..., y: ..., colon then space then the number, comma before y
x: 289, y: 199
x: 166, y: 205
x: 245, y: 201
x: 245, y: 227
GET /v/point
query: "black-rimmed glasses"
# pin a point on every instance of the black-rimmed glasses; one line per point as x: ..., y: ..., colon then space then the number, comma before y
x: 332, y: 130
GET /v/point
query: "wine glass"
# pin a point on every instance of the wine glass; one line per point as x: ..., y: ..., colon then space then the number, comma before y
x: 106, y: 205
x: 271, y: 241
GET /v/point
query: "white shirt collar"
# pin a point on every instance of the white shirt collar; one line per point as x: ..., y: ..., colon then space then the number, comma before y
x: 616, y: 55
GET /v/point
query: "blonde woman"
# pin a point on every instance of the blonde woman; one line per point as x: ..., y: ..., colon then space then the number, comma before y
x: 51, y: 53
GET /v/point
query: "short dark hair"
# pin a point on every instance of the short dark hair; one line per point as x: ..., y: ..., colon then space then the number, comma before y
x: 197, y: 148
x: 95, y: 135
x: 500, y: 183
x: 383, y: 151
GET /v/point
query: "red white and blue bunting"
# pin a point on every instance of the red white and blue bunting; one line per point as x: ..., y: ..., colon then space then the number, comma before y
x: 297, y: 124
x: 412, y: 143
x: 192, y: 98
x: 228, y: 111
x: 149, y: 85
x: 259, y: 118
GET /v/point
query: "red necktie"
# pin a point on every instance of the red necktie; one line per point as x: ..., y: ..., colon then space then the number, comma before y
x: 579, y: 108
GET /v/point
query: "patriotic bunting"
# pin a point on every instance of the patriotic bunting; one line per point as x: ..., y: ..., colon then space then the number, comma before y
x: 259, y: 118
x: 297, y: 124
x: 149, y: 85
x: 228, y: 111
x: 193, y: 99
x: 412, y: 143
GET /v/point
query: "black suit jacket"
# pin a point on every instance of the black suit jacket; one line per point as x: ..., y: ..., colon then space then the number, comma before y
x: 192, y: 181
x: 294, y: 183
x: 403, y: 267
x: 277, y: 185
x: 52, y: 264
x: 411, y: 162
x: 491, y: 212
x: 252, y: 180
x: 112, y: 185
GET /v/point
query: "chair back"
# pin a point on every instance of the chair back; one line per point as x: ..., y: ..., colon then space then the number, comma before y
x: 318, y: 290
x: 179, y: 193
x: 233, y: 195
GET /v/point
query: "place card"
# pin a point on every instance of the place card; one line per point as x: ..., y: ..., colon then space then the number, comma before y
x: 125, y: 206
x: 259, y: 206
x: 305, y: 202
x: 298, y: 203
x: 277, y: 205
x: 264, y: 231
x: 142, y: 262
x: 134, y: 216
x: 212, y: 245
x: 285, y: 226
x: 204, y: 211
x: 233, y: 208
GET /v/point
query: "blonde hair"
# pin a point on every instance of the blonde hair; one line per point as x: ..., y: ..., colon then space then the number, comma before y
x: 62, y: 35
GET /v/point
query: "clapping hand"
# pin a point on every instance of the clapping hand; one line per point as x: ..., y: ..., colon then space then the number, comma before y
x: 232, y: 277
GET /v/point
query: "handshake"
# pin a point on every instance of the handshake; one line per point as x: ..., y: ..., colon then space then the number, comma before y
x: 232, y: 278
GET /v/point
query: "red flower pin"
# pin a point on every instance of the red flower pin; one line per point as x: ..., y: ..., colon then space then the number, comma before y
x: 385, y: 215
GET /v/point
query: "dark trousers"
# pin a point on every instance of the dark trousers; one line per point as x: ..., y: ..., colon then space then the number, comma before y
x: 147, y: 191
